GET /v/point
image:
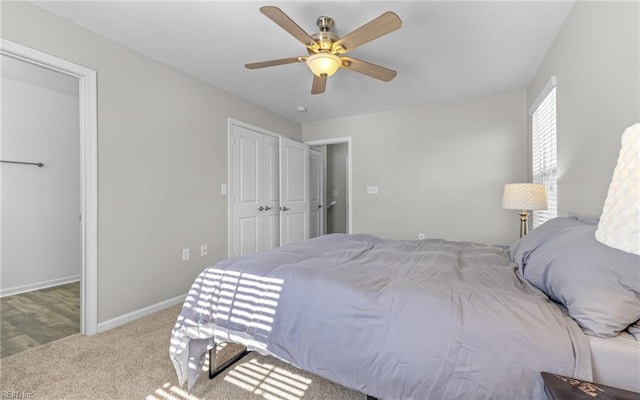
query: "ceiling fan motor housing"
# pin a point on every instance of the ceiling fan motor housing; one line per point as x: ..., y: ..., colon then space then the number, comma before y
x: 325, y: 37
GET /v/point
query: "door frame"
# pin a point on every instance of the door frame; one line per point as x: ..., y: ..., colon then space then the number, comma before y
x: 88, y: 126
x: 340, y: 140
x: 230, y: 189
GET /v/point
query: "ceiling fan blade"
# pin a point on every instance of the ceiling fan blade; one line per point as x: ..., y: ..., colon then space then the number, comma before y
x: 319, y: 85
x: 279, y: 17
x: 372, y: 70
x: 386, y: 23
x: 273, y: 63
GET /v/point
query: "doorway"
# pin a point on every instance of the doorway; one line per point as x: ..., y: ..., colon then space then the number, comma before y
x: 80, y: 206
x: 337, y: 184
x: 41, y: 245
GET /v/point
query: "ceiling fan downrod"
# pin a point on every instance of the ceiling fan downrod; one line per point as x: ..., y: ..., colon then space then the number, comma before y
x: 324, y: 23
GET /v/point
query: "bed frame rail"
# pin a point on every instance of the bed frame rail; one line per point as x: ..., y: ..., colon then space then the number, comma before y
x: 217, y: 370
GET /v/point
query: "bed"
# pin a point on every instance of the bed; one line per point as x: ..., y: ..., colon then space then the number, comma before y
x: 419, y: 319
x: 616, y: 361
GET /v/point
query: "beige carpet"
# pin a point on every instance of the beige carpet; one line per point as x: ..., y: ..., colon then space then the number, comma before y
x: 132, y: 362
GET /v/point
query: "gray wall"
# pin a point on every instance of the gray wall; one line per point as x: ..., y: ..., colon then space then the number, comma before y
x: 336, y: 187
x: 596, y: 59
x: 162, y: 156
x: 440, y: 169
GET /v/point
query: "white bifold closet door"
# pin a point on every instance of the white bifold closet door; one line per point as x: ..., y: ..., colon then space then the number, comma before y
x: 255, y: 214
x: 269, y: 193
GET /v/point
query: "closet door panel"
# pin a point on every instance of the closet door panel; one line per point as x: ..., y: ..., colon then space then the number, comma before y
x: 246, y: 226
x: 294, y: 227
x: 250, y: 234
x: 271, y: 192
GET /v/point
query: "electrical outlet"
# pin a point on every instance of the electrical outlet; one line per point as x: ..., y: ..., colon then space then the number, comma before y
x: 372, y: 190
x: 203, y: 250
x: 186, y: 254
x: 421, y: 236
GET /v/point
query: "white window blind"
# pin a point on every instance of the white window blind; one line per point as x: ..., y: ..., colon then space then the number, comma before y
x: 545, y: 161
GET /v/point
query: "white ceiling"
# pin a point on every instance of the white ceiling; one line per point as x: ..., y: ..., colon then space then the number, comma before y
x: 445, y: 50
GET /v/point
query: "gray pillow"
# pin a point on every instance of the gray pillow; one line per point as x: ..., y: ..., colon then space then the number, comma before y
x: 599, y: 285
x: 521, y: 249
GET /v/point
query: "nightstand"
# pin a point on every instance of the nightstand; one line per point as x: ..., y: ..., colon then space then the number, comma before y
x: 560, y: 387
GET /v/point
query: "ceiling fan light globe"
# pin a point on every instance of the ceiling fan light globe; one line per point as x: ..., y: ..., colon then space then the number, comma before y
x: 323, y: 64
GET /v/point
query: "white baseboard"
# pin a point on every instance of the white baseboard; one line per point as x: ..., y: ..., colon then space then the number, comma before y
x: 143, y: 312
x: 38, y: 285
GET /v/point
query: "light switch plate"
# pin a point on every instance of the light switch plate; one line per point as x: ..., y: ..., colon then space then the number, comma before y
x: 372, y: 190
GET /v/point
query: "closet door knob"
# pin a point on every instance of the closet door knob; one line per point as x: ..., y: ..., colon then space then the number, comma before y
x: 284, y: 208
x: 267, y: 208
x: 260, y: 208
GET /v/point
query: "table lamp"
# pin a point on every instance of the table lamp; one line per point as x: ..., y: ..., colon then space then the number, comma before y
x: 524, y: 196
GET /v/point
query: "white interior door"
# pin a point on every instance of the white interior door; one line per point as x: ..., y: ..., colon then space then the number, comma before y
x: 246, y: 227
x: 294, y: 191
x: 271, y: 193
x: 316, y: 191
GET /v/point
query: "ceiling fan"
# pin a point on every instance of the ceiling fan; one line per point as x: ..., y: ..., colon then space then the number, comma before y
x: 326, y: 49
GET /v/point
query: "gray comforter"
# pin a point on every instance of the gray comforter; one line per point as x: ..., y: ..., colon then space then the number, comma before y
x: 393, y: 319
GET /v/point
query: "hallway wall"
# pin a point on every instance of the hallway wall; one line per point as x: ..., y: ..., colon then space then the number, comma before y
x: 337, y: 187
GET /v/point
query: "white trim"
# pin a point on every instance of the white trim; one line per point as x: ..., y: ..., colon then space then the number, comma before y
x: 543, y: 94
x: 230, y: 189
x: 143, y: 312
x: 39, y: 285
x: 88, y: 171
x: 346, y: 140
x: 253, y: 127
x: 230, y: 122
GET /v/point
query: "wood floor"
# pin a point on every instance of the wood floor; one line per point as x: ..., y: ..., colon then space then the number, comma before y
x: 34, y: 318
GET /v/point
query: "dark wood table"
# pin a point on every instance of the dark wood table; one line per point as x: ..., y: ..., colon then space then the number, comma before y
x: 560, y: 387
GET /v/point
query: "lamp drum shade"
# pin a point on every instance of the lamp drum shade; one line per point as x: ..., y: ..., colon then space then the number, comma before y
x: 619, y: 225
x: 524, y: 196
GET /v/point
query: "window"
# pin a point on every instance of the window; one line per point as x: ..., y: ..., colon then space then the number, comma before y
x: 544, y: 150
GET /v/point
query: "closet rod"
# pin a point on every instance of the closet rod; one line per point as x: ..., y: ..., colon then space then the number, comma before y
x: 39, y: 164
